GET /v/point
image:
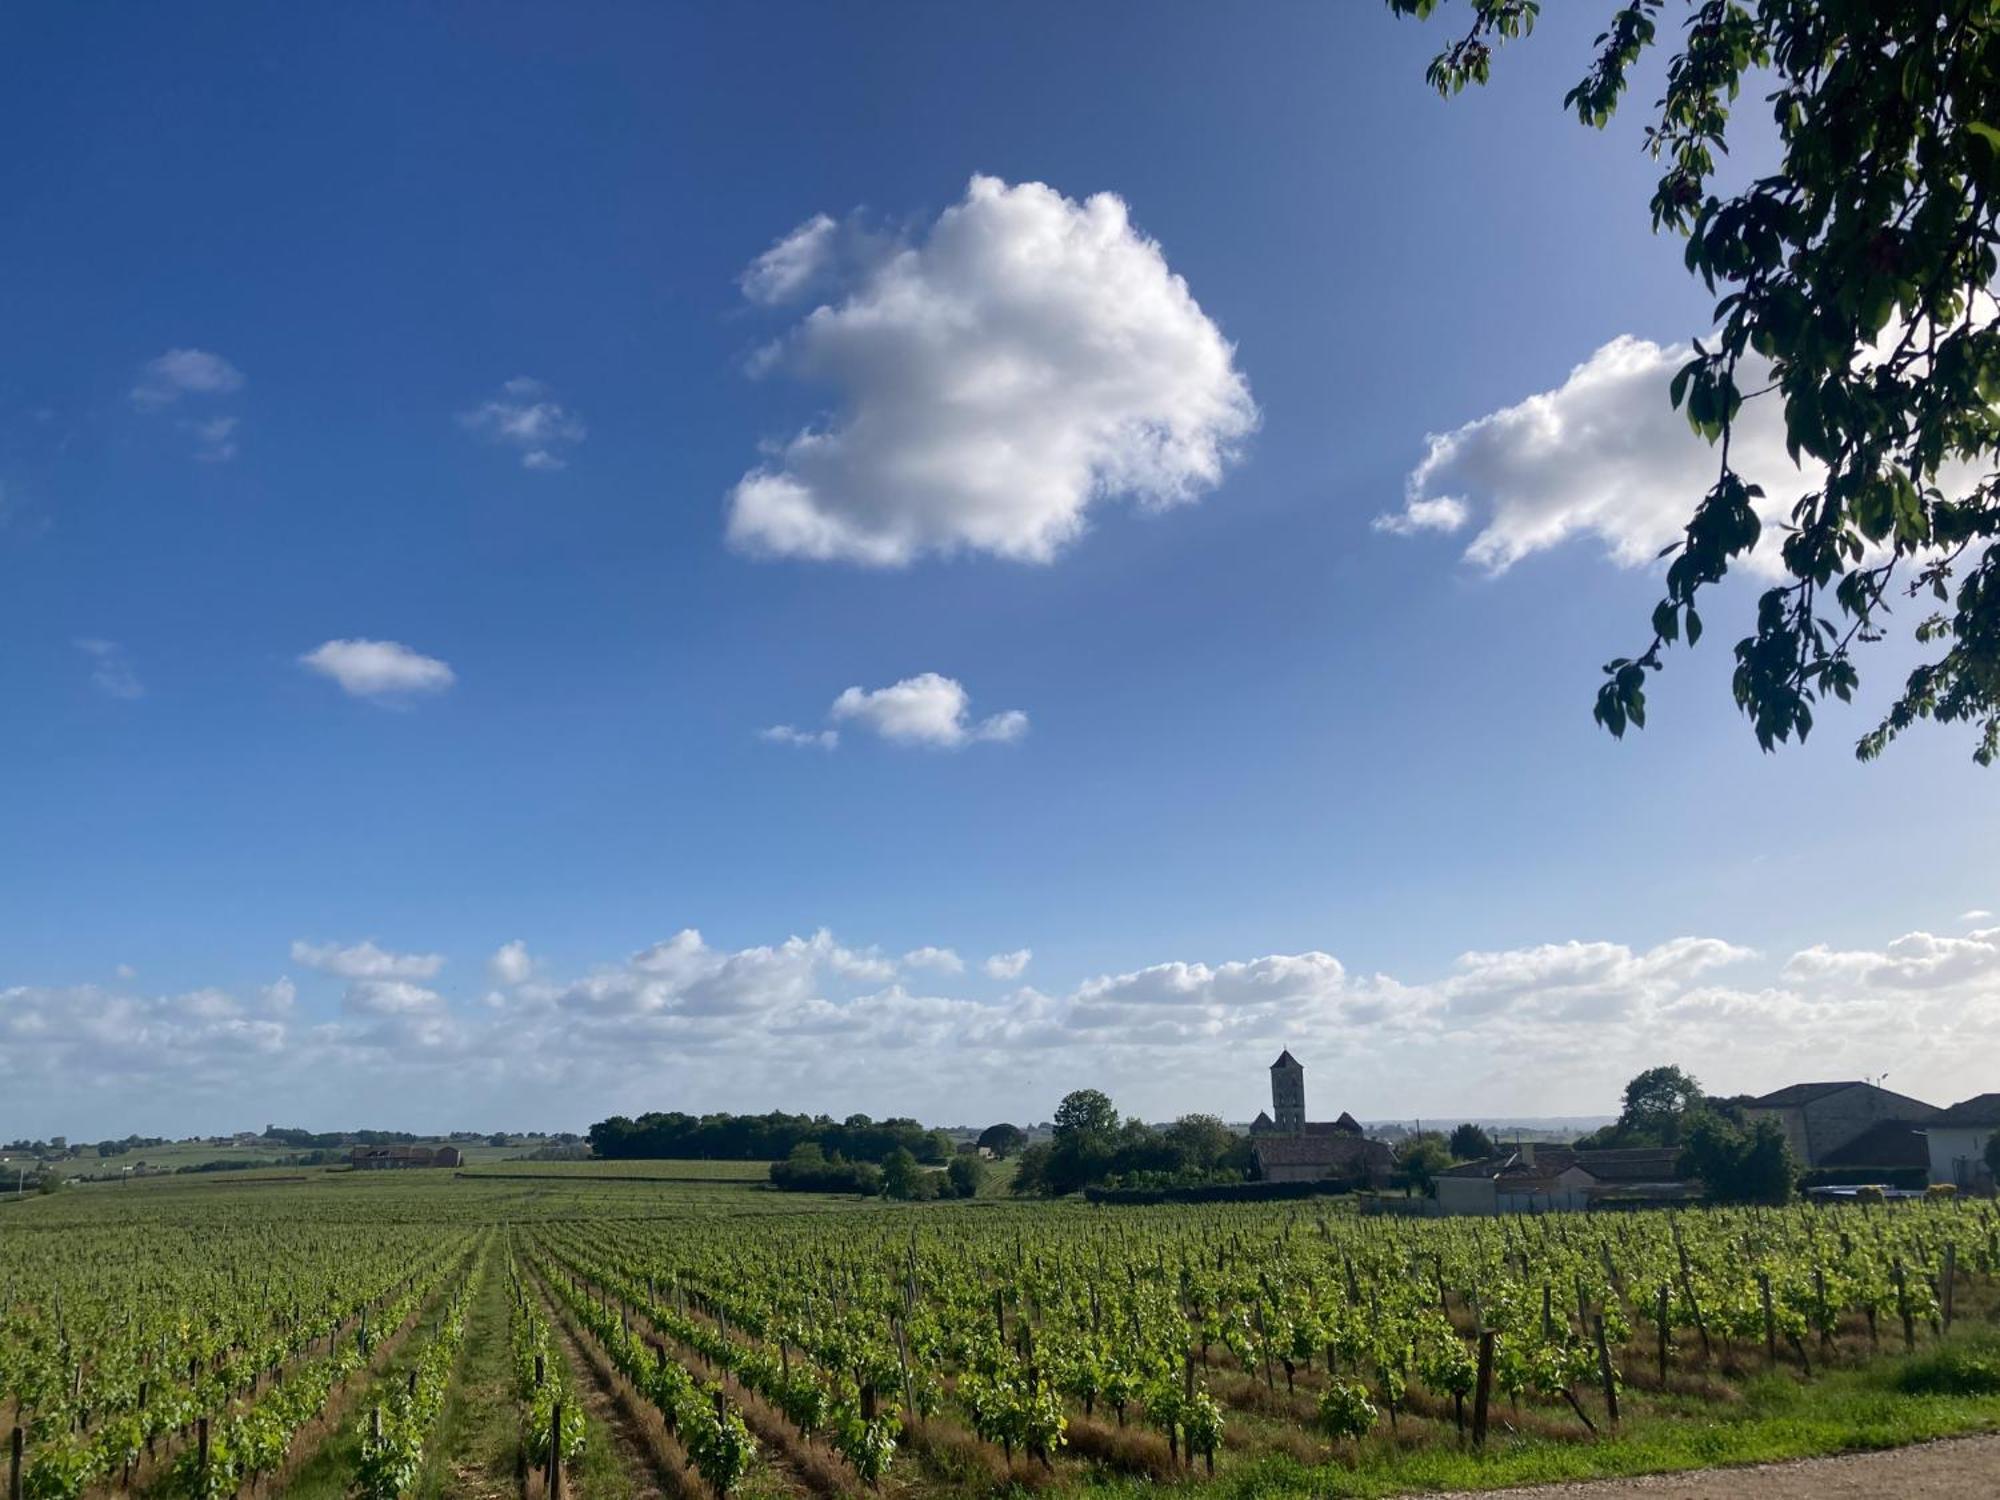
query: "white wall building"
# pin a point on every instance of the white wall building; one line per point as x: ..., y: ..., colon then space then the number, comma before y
x: 1958, y: 1140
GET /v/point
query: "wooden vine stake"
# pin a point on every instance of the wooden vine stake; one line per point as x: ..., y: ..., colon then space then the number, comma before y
x: 1482, y: 1393
x: 555, y: 1450
x: 1902, y: 1280
x: 1950, y: 1278
x: 1770, y: 1321
x: 14, y: 1465
x: 1604, y: 1371
x: 1664, y: 1298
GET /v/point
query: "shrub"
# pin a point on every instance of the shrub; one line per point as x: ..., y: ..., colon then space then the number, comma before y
x: 1951, y: 1371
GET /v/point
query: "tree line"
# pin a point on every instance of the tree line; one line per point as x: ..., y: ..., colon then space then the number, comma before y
x: 767, y: 1137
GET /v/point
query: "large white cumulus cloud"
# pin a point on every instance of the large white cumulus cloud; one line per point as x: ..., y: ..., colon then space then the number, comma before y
x: 1603, y: 455
x: 1023, y: 359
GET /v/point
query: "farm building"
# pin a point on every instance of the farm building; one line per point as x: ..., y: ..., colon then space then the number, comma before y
x: 1538, y: 1179
x: 1820, y: 1119
x: 389, y: 1158
x: 1956, y: 1140
x: 1292, y: 1148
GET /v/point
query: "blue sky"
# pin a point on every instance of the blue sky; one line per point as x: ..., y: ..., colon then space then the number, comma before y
x: 442, y: 328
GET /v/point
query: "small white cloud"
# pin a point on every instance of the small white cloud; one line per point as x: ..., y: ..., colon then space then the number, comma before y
x: 1027, y: 357
x: 217, y: 438
x: 391, y: 997
x: 815, y: 739
x: 1442, y: 514
x: 944, y: 960
x: 1977, y: 914
x: 110, y: 673
x: 378, y: 669
x: 511, y: 963
x: 1008, y: 965
x: 364, y: 960
x: 184, y: 372
x: 791, y: 264
x: 526, y: 418
x: 928, y: 709
x: 126, y: 971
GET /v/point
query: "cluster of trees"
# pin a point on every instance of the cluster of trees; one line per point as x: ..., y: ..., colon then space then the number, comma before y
x: 55, y: 1145
x: 1092, y: 1147
x: 1738, y: 1159
x: 130, y: 1143
x: 325, y: 1140
x: 809, y: 1169
x: 769, y: 1137
x: 1423, y: 1154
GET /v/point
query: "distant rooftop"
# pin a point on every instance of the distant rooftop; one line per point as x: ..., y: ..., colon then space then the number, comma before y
x: 1794, y: 1095
x: 1980, y: 1112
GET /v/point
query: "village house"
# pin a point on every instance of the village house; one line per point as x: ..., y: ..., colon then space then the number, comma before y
x: 1532, y: 1178
x: 1291, y: 1148
x: 1820, y: 1119
x: 1956, y: 1140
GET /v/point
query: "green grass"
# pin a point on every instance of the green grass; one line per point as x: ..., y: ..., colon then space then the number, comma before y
x: 478, y: 1434
x: 1779, y: 1418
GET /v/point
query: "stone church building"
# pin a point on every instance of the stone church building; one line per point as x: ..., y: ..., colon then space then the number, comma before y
x: 1291, y: 1148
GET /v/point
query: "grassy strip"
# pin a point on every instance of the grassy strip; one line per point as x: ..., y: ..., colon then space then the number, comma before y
x: 329, y: 1472
x: 1779, y: 1419
x: 473, y: 1450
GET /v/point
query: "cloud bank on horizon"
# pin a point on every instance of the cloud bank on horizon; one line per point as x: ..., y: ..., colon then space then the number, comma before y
x: 812, y: 1023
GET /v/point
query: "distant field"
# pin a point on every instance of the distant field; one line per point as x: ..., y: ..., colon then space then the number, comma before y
x: 177, y: 1154
x: 999, y: 1174
x: 645, y: 1171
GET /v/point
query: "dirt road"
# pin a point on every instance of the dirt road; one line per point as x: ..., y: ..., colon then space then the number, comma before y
x: 1951, y: 1470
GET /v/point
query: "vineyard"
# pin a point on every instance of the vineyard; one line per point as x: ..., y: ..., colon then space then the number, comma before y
x: 530, y: 1336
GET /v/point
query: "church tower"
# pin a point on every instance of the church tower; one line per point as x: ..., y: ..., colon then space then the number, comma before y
x: 1288, y: 1094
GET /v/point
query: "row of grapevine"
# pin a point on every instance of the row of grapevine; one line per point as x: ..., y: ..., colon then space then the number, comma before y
x: 718, y: 1443
x: 1015, y: 1326
x: 552, y: 1427
x: 393, y: 1443
x: 233, y: 1413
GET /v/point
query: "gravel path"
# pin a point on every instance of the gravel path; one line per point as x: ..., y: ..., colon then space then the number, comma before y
x: 1949, y: 1470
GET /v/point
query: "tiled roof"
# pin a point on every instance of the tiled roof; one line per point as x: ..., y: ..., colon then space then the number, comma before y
x: 1980, y: 1112
x: 1317, y: 1150
x: 1793, y: 1095
x: 1632, y: 1164
x: 1549, y: 1160
x: 1516, y: 1173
